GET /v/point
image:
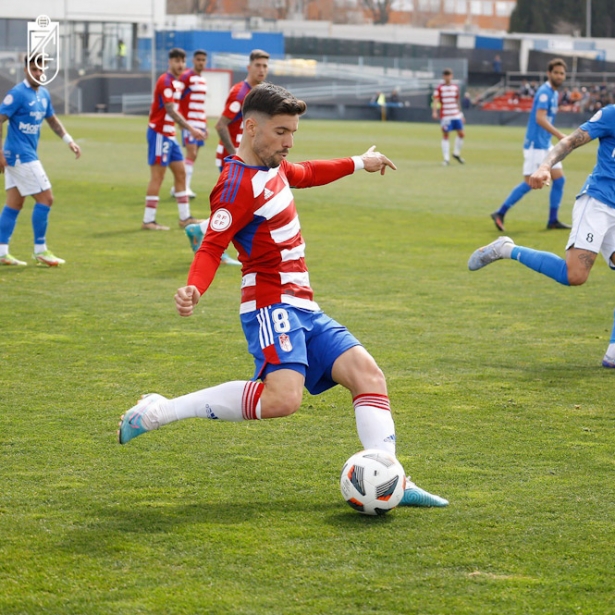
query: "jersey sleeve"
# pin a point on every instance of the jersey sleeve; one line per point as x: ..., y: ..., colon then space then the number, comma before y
x: 232, y: 107
x: 10, y: 104
x: 230, y: 212
x: 601, y: 124
x: 317, y: 172
x: 544, y: 101
x: 164, y: 89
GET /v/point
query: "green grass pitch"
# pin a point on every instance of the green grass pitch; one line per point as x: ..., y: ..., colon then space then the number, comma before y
x: 500, y: 401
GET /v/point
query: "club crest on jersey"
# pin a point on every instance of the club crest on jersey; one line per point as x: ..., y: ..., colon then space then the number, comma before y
x: 220, y: 220
x: 285, y: 344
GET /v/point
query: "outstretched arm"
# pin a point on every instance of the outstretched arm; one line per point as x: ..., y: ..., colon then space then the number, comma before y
x: 542, y: 176
x: 186, y: 298
x: 375, y: 161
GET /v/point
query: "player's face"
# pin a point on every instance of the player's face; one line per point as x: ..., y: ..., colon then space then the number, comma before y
x: 447, y: 79
x: 199, y: 62
x: 177, y: 66
x: 273, y: 138
x: 34, y: 73
x: 557, y: 76
x: 257, y: 71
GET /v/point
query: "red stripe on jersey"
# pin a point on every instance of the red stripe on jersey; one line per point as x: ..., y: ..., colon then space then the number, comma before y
x: 192, y: 103
x: 448, y: 96
x: 168, y: 90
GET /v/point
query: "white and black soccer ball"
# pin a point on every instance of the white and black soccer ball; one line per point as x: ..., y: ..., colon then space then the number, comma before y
x: 373, y: 482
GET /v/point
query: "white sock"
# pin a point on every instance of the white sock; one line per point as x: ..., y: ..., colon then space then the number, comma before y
x: 374, y: 422
x: 610, y: 351
x: 238, y: 400
x: 446, y: 150
x: 189, y: 164
x: 4, y: 249
x: 183, y: 205
x: 151, y: 204
x: 458, y: 146
x: 39, y: 248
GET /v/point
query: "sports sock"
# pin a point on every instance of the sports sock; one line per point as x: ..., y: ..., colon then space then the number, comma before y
x: 8, y: 220
x: 189, y: 164
x: 458, y: 146
x: 546, y: 263
x: 183, y: 204
x: 446, y: 150
x: 555, y: 197
x: 516, y: 195
x: 238, y: 400
x: 374, y: 421
x: 151, y: 205
x: 40, y: 219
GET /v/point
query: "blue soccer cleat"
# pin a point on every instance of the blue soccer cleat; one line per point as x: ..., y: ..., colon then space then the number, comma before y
x: 227, y: 260
x: 608, y: 361
x: 195, y: 235
x: 496, y: 250
x: 131, y: 423
x: 415, y: 496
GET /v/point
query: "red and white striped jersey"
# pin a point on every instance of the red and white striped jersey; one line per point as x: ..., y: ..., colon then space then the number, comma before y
x: 254, y: 208
x: 168, y: 89
x: 192, y: 103
x: 448, y: 97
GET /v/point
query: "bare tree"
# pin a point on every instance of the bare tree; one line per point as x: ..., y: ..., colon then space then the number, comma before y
x: 380, y: 9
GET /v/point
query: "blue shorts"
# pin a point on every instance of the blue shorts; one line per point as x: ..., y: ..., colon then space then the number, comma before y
x: 187, y: 139
x: 162, y: 150
x: 284, y: 337
x: 448, y: 125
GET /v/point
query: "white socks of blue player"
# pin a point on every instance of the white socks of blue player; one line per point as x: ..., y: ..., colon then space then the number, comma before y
x: 238, y: 400
x: 446, y: 150
x: 458, y: 146
x: 374, y: 422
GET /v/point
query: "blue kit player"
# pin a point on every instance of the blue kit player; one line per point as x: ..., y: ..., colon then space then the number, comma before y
x: 25, y: 107
x: 593, y: 216
x: 537, y: 143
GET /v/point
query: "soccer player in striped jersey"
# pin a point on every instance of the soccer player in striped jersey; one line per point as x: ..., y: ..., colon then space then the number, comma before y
x: 163, y: 149
x: 446, y: 108
x: 536, y: 146
x: 192, y: 107
x: 230, y: 123
x: 294, y: 344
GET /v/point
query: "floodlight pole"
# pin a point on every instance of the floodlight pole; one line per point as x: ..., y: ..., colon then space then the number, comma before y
x: 588, y: 18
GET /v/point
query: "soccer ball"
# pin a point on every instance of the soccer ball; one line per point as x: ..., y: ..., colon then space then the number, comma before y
x: 373, y: 482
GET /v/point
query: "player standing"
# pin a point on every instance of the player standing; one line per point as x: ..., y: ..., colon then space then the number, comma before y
x: 445, y: 107
x: 192, y: 107
x: 537, y: 144
x: 293, y: 342
x: 25, y: 106
x: 593, y: 216
x: 163, y: 149
x: 230, y: 130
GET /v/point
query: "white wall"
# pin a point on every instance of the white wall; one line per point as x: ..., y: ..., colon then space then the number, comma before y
x: 133, y: 11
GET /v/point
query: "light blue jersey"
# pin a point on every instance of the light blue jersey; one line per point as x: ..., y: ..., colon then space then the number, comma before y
x: 26, y: 109
x: 601, y: 182
x: 537, y: 137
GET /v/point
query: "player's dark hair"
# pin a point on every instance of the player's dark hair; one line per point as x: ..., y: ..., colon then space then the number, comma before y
x: 556, y: 62
x: 270, y: 100
x: 199, y: 52
x: 447, y: 71
x: 28, y: 60
x: 258, y: 54
x: 176, y: 52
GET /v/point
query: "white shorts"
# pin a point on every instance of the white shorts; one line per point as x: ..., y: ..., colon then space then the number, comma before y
x: 532, y: 159
x: 28, y: 177
x: 593, y: 227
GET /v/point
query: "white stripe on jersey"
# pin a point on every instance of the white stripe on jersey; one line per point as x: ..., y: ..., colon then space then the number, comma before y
x: 306, y: 304
x: 248, y: 280
x: 276, y: 205
x: 286, y: 232
x: 260, y: 178
x: 293, y: 254
x: 297, y: 278
x: 265, y: 334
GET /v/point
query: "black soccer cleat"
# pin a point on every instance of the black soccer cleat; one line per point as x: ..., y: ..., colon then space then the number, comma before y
x: 558, y: 225
x: 498, y: 220
x: 459, y: 159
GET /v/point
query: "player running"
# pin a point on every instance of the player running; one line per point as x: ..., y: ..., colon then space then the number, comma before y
x: 163, y: 149
x: 537, y: 144
x: 445, y: 107
x: 294, y: 344
x: 593, y: 216
x: 24, y: 107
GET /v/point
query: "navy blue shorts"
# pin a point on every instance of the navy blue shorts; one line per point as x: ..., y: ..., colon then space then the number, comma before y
x: 284, y: 337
